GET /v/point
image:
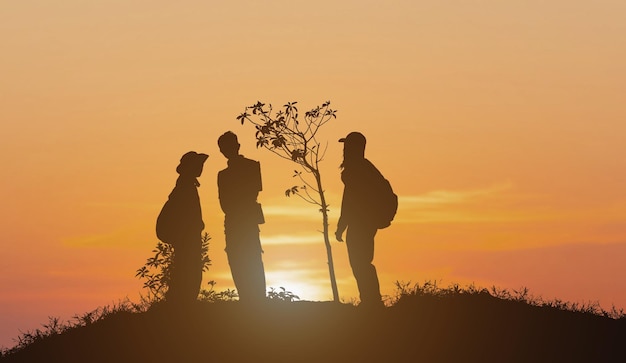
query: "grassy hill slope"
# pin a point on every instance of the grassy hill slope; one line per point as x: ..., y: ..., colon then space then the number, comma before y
x: 417, y: 328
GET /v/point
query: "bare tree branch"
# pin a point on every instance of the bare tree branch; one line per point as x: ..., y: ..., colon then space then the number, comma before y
x: 293, y: 138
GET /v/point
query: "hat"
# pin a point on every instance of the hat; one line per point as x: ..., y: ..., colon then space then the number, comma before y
x: 194, y: 157
x: 191, y: 160
x: 355, y: 138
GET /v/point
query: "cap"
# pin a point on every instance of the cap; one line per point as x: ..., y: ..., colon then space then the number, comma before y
x: 354, y: 137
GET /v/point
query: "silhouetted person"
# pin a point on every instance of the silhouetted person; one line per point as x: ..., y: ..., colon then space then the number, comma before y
x: 359, y: 209
x: 180, y: 224
x: 238, y: 186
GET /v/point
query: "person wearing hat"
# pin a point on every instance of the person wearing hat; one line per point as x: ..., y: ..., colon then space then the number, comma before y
x: 238, y: 188
x: 360, y: 177
x: 180, y: 224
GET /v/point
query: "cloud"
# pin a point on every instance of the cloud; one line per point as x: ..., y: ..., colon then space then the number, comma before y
x: 498, y: 203
x: 307, y: 211
x: 299, y: 209
x: 285, y: 239
x: 470, y: 205
x: 473, y: 205
x: 439, y: 197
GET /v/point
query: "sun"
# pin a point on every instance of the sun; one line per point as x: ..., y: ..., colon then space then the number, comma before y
x: 299, y: 283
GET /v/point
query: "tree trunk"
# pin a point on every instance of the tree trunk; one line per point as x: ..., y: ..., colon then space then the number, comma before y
x: 329, y: 252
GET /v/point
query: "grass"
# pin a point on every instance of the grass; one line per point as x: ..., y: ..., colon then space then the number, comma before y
x: 406, y: 290
x: 55, y: 326
x: 421, y: 322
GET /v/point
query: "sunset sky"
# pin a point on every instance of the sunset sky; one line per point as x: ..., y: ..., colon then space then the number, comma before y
x: 500, y: 124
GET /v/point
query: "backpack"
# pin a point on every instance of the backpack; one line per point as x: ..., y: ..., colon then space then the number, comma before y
x: 166, y: 229
x: 386, y: 204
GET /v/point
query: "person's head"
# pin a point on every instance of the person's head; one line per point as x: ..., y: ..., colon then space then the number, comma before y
x: 229, y: 146
x: 191, y: 164
x: 353, y: 146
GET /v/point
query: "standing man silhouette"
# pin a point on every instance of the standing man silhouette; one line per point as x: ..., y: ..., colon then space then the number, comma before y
x: 358, y: 215
x: 238, y: 187
x: 180, y: 224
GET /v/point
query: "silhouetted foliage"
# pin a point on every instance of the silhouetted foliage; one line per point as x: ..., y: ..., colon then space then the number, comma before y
x: 211, y: 295
x: 291, y: 137
x: 282, y: 295
x: 156, y: 271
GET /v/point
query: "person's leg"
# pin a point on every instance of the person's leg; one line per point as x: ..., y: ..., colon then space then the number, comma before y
x: 246, y: 266
x: 360, y: 243
x: 192, y: 274
x: 174, y: 288
x: 256, y: 275
x: 234, y: 261
x: 256, y: 270
x: 186, y: 274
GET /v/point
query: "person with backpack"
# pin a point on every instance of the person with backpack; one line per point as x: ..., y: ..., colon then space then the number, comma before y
x: 180, y: 224
x: 368, y: 204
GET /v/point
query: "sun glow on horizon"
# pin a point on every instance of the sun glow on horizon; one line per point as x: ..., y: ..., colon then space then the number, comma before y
x: 305, y: 285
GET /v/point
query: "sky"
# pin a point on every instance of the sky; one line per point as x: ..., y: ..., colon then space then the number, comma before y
x: 499, y: 124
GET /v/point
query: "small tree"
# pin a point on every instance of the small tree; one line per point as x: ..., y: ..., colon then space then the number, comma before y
x: 291, y: 138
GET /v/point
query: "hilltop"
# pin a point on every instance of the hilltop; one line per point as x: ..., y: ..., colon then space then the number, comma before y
x: 460, y: 327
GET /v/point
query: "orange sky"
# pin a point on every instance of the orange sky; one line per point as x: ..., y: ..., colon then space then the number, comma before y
x: 500, y: 125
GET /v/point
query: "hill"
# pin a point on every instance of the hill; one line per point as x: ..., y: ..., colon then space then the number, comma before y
x: 416, y: 328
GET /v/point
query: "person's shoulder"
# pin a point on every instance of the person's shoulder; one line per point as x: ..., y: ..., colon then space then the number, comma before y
x: 223, y: 173
x: 249, y: 162
x: 184, y: 185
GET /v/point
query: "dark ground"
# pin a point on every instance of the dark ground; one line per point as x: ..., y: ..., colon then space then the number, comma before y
x: 470, y: 328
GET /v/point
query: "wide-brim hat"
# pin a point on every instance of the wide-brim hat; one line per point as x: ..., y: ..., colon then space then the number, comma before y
x: 191, y: 161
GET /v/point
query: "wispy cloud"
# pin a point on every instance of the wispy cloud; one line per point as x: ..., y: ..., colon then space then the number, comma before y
x: 500, y: 202
x: 471, y: 205
x: 468, y: 205
x: 284, y: 239
x: 305, y: 211
x: 439, y: 197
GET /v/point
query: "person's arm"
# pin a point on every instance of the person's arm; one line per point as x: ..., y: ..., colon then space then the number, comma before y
x: 221, y: 191
x: 258, y: 173
x: 341, y: 227
x: 342, y: 224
